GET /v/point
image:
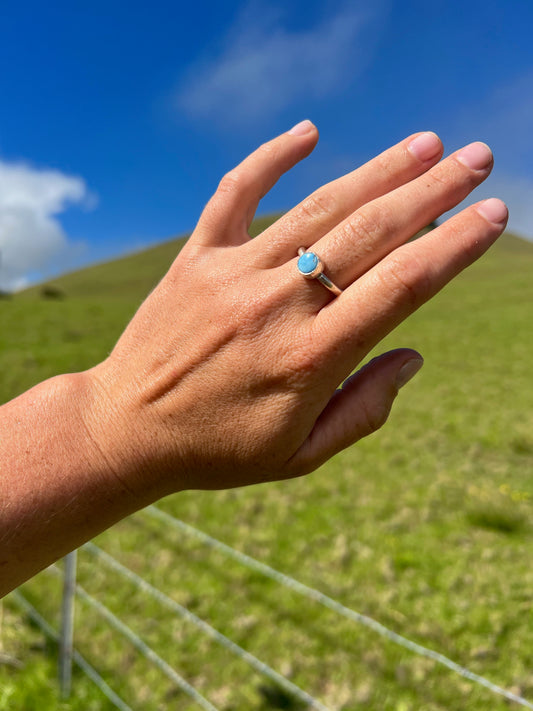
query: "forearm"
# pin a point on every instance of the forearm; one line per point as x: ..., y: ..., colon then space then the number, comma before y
x: 56, y: 488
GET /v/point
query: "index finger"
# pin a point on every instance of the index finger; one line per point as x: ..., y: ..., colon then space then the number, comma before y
x: 228, y: 215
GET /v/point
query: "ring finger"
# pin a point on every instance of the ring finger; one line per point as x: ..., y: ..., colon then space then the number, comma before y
x: 370, y: 233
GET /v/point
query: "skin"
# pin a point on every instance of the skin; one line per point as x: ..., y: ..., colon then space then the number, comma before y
x: 236, y: 369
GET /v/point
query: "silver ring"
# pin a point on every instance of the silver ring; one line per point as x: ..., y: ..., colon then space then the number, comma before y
x: 310, y: 267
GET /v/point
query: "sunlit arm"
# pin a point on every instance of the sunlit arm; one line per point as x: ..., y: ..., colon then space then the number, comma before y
x: 56, y: 489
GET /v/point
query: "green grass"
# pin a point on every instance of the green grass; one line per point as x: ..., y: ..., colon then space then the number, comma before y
x: 426, y: 525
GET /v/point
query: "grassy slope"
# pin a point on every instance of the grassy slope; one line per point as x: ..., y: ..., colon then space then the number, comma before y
x: 425, y: 526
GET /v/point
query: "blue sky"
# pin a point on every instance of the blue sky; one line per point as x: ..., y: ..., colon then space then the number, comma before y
x: 118, y: 119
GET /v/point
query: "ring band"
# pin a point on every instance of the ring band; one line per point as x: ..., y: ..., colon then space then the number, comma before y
x: 310, y: 267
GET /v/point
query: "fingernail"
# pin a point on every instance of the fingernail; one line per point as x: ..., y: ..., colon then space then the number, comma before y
x: 475, y: 156
x: 408, y: 371
x: 425, y: 146
x: 493, y: 210
x: 301, y: 128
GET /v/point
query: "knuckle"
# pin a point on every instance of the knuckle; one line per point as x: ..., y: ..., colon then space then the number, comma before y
x: 303, y: 360
x: 450, y: 180
x: 407, y: 281
x: 385, y: 164
x: 350, y: 231
x: 319, y: 205
x: 230, y: 183
x: 301, y: 363
x: 468, y: 250
x: 364, y: 226
x: 437, y: 180
x: 268, y: 150
x: 374, y: 417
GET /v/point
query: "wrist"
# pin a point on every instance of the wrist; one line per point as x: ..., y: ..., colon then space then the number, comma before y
x: 93, y: 427
x: 122, y: 438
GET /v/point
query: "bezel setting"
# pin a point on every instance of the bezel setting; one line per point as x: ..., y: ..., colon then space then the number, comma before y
x: 305, y: 257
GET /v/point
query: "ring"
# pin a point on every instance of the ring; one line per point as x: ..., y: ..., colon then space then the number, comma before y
x: 310, y: 267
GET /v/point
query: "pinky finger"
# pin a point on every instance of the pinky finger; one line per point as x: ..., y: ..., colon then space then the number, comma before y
x: 408, y: 277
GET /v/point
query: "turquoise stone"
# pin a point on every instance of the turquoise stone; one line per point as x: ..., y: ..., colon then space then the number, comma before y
x: 307, y: 262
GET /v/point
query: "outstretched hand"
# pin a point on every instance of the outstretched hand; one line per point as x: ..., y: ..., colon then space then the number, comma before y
x: 234, y: 370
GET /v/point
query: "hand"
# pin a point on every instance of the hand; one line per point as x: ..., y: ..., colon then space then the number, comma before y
x: 228, y: 374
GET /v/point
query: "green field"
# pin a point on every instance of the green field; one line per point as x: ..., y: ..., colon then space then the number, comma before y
x: 425, y: 526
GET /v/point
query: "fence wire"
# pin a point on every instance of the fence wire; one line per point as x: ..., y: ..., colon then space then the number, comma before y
x: 257, y: 566
x: 224, y: 641
x: 145, y: 650
x: 330, y: 603
x: 82, y: 663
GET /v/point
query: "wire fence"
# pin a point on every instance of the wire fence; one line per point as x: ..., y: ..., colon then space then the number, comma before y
x: 227, y: 643
x: 68, y: 654
x: 76, y: 657
x: 331, y: 604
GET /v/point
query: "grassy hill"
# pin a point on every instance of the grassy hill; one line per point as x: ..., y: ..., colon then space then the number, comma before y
x: 131, y: 277
x: 425, y: 526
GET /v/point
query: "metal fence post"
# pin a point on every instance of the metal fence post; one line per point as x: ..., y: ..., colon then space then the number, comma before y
x: 67, y: 624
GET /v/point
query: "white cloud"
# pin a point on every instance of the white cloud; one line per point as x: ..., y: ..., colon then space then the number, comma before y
x: 263, y: 67
x: 31, y: 236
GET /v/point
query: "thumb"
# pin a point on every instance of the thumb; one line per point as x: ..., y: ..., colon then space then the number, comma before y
x: 357, y: 409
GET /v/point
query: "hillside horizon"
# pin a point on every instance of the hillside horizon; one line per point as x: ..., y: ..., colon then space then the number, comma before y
x: 144, y: 268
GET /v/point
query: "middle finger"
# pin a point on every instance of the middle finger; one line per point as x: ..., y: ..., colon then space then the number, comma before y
x: 370, y: 233
x: 324, y: 209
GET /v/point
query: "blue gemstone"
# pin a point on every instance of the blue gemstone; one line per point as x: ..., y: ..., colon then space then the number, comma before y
x: 307, y: 262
